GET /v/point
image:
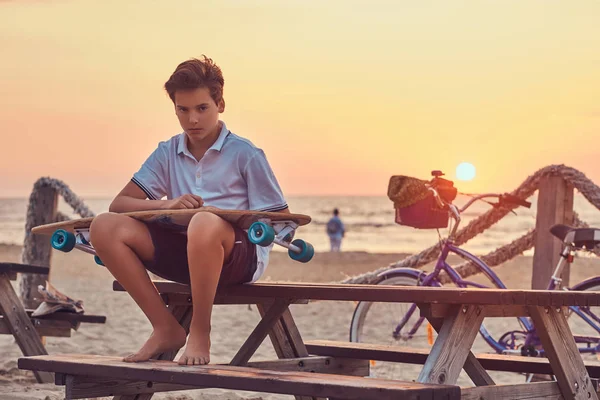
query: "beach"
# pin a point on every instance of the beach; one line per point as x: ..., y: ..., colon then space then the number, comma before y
x: 126, y: 328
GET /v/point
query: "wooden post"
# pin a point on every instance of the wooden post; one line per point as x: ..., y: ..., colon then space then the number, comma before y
x: 42, y: 209
x: 555, y: 206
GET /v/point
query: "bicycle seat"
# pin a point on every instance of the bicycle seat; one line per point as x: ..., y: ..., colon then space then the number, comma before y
x: 579, y: 237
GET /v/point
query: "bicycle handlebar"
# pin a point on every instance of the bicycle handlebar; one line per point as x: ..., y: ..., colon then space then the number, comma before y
x: 503, y: 199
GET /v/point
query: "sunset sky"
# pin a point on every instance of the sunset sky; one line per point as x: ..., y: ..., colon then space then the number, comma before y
x: 339, y: 94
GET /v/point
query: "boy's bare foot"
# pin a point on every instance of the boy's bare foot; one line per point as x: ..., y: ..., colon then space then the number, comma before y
x: 160, y: 341
x: 197, y: 351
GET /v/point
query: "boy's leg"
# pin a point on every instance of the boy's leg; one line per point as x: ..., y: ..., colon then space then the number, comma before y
x: 122, y: 243
x: 210, y: 242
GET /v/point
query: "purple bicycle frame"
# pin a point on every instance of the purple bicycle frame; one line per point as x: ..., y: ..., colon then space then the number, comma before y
x: 432, y: 280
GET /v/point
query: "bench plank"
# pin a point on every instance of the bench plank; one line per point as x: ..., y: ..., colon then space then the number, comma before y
x: 71, y: 317
x: 409, y: 355
x: 85, y: 387
x: 7, y: 267
x: 240, y: 378
x: 529, y: 391
x: 42, y: 327
x: 398, y: 294
x: 185, y: 299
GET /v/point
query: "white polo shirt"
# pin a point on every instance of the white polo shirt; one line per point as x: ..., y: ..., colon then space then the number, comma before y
x: 233, y: 175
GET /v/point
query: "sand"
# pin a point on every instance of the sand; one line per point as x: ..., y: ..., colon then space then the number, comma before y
x: 126, y: 328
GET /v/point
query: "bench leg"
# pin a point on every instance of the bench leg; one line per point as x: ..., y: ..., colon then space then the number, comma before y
x: 557, y: 339
x: 472, y: 367
x: 183, y: 314
x: 286, y: 338
x: 21, y: 327
x: 452, y: 346
x: 259, y: 333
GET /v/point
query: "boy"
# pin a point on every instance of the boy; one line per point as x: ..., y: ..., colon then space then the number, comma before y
x: 204, y: 165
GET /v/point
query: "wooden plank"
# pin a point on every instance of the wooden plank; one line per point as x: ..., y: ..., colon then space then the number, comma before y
x: 555, y: 206
x: 71, y: 317
x: 43, y: 328
x: 560, y: 347
x: 293, y: 334
x: 20, y: 325
x: 240, y: 378
x: 451, y: 347
x: 320, y: 364
x: 259, y: 333
x: 472, y: 367
x: 525, y: 391
x: 398, y: 294
x: 85, y: 387
x: 23, y: 268
x: 185, y: 299
x: 278, y: 336
x: 443, y: 310
x: 409, y: 355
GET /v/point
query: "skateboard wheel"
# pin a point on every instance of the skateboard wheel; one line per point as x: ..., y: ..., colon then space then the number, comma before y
x: 261, y: 234
x: 306, y: 251
x: 63, y: 240
x: 98, y: 260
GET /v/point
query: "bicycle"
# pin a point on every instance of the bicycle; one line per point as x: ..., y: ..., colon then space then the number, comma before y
x: 366, y: 325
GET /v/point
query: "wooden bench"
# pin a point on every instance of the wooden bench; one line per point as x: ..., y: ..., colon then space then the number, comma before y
x: 27, y: 331
x: 410, y: 355
x: 455, y: 313
x: 232, y: 377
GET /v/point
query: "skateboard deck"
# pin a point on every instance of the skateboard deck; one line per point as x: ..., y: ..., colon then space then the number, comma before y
x: 263, y: 228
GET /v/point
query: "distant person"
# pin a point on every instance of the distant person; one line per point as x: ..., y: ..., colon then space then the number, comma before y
x: 335, y: 231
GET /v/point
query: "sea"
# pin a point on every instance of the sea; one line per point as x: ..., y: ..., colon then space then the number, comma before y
x: 369, y: 223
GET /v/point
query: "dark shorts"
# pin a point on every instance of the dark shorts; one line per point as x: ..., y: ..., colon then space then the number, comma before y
x: 171, y: 262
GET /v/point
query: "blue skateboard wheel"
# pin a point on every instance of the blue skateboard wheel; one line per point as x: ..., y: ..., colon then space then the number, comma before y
x: 63, y: 240
x: 261, y: 234
x: 306, y: 251
x: 98, y: 260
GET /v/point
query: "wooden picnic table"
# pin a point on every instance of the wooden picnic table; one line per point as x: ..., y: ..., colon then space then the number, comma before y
x: 455, y: 313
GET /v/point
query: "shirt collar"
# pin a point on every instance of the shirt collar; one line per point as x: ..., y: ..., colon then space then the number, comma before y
x: 217, y: 145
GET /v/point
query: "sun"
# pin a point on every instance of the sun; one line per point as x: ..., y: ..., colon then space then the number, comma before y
x: 465, y: 171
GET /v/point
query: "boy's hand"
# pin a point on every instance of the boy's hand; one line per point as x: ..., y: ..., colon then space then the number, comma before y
x: 188, y: 201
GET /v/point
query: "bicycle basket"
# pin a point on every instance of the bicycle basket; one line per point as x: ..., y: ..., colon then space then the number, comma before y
x: 415, y: 205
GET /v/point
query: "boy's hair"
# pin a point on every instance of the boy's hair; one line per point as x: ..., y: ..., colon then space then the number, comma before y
x: 336, y: 211
x: 195, y: 74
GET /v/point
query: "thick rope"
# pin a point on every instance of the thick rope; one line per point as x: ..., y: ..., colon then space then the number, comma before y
x: 579, y: 181
x: 34, y: 203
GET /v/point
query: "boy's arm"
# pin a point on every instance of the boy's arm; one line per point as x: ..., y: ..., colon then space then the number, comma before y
x: 133, y: 198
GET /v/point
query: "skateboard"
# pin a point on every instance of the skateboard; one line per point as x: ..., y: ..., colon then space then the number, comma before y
x: 264, y: 228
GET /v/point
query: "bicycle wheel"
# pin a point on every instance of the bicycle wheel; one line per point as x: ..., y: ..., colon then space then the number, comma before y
x: 375, y: 322
x: 585, y: 324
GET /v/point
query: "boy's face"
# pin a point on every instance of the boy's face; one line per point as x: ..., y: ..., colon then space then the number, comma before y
x: 198, y: 113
